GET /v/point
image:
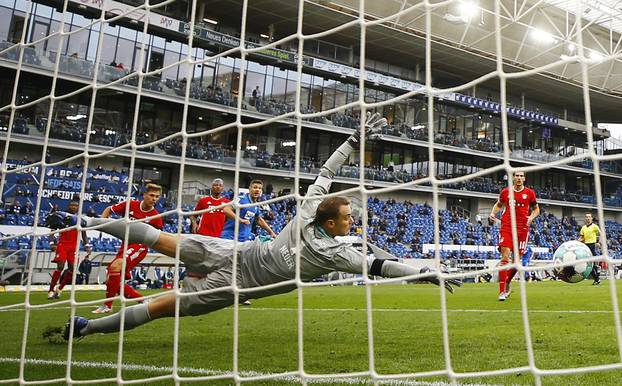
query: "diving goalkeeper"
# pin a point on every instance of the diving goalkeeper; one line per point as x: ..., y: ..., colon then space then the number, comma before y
x: 209, y: 260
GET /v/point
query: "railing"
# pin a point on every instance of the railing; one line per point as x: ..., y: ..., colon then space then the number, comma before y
x: 12, y: 262
x: 612, y: 144
x: 461, y: 211
x: 20, y: 260
x: 190, y: 192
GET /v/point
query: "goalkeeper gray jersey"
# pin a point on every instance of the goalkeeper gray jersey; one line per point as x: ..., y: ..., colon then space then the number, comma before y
x: 275, y: 261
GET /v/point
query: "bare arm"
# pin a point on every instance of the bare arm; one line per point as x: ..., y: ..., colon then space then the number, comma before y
x: 535, y: 212
x: 264, y: 224
x: 107, y: 212
x: 230, y: 214
x: 194, y: 226
x: 85, y: 242
x: 493, y: 212
x: 52, y: 241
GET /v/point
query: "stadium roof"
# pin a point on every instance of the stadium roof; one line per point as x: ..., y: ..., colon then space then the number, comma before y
x: 534, y: 33
x: 606, y: 13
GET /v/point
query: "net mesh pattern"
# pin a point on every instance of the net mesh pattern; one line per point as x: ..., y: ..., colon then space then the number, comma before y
x: 88, y: 156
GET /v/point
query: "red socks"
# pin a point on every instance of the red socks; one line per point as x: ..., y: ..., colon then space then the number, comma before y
x: 130, y: 292
x: 113, y: 288
x: 55, y: 275
x: 503, y: 277
x: 65, y: 279
x: 113, y: 285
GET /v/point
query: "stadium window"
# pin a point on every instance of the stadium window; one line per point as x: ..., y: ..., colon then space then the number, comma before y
x: 5, y: 23
x: 223, y: 80
x: 156, y: 61
x: 316, y: 93
x: 310, y: 47
x: 108, y: 49
x: 442, y: 124
x: 130, y: 58
x: 40, y: 30
x: 171, y: 57
x: 328, y: 97
x: 235, y: 83
x: 340, y: 95
x: 279, y: 85
x: 344, y: 54
x: 77, y: 42
x: 290, y: 96
x: 17, y: 26
x: 326, y: 50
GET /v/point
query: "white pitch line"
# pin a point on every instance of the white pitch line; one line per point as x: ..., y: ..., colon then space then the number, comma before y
x: 363, y: 310
x: 426, y: 310
x: 208, y: 372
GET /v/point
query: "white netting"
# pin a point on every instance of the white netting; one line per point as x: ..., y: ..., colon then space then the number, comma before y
x: 99, y: 82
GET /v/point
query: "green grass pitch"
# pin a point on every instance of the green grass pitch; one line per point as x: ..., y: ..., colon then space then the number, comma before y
x: 572, y: 325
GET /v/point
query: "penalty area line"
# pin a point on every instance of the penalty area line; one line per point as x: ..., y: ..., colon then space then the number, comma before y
x: 208, y: 372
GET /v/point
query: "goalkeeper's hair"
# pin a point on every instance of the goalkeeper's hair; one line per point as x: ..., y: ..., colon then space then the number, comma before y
x: 329, y: 209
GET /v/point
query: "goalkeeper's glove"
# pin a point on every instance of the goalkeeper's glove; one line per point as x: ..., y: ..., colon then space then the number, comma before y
x: 432, y: 278
x: 373, y: 126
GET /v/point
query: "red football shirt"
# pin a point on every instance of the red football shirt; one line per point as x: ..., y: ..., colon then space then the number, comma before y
x: 68, y: 239
x: 522, y: 203
x: 137, y: 213
x: 213, y: 221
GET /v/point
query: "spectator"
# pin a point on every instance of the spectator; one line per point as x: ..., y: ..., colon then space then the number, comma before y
x: 85, y: 268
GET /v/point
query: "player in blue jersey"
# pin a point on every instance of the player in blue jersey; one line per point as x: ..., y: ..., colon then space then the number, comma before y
x: 248, y: 215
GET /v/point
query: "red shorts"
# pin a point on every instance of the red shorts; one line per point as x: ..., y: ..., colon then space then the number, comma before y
x: 134, y: 254
x: 505, y: 239
x: 64, y: 254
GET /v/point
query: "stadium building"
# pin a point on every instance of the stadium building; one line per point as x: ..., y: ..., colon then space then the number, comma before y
x: 62, y: 49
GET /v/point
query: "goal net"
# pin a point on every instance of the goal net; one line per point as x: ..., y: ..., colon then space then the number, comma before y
x: 97, y: 96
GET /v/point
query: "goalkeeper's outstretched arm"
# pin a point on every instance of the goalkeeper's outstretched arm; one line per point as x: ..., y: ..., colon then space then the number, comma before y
x: 373, y: 125
x: 352, y: 261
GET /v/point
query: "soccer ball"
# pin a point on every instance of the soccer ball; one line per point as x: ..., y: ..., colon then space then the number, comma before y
x: 568, y: 252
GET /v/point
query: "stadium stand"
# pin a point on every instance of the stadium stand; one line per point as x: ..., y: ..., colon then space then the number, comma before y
x: 115, y: 136
x: 399, y: 227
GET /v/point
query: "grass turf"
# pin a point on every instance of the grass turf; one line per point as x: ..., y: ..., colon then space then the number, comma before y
x: 571, y: 325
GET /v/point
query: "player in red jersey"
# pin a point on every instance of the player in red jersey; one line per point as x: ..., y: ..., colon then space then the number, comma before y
x: 134, y: 253
x: 65, y: 250
x: 526, y: 210
x: 211, y: 222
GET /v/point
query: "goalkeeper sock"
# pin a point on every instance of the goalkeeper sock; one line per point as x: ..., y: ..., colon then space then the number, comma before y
x: 134, y: 316
x: 113, y: 285
x: 55, y: 276
x: 139, y: 232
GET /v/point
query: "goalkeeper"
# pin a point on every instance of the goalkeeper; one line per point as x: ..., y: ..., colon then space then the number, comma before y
x: 209, y: 260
